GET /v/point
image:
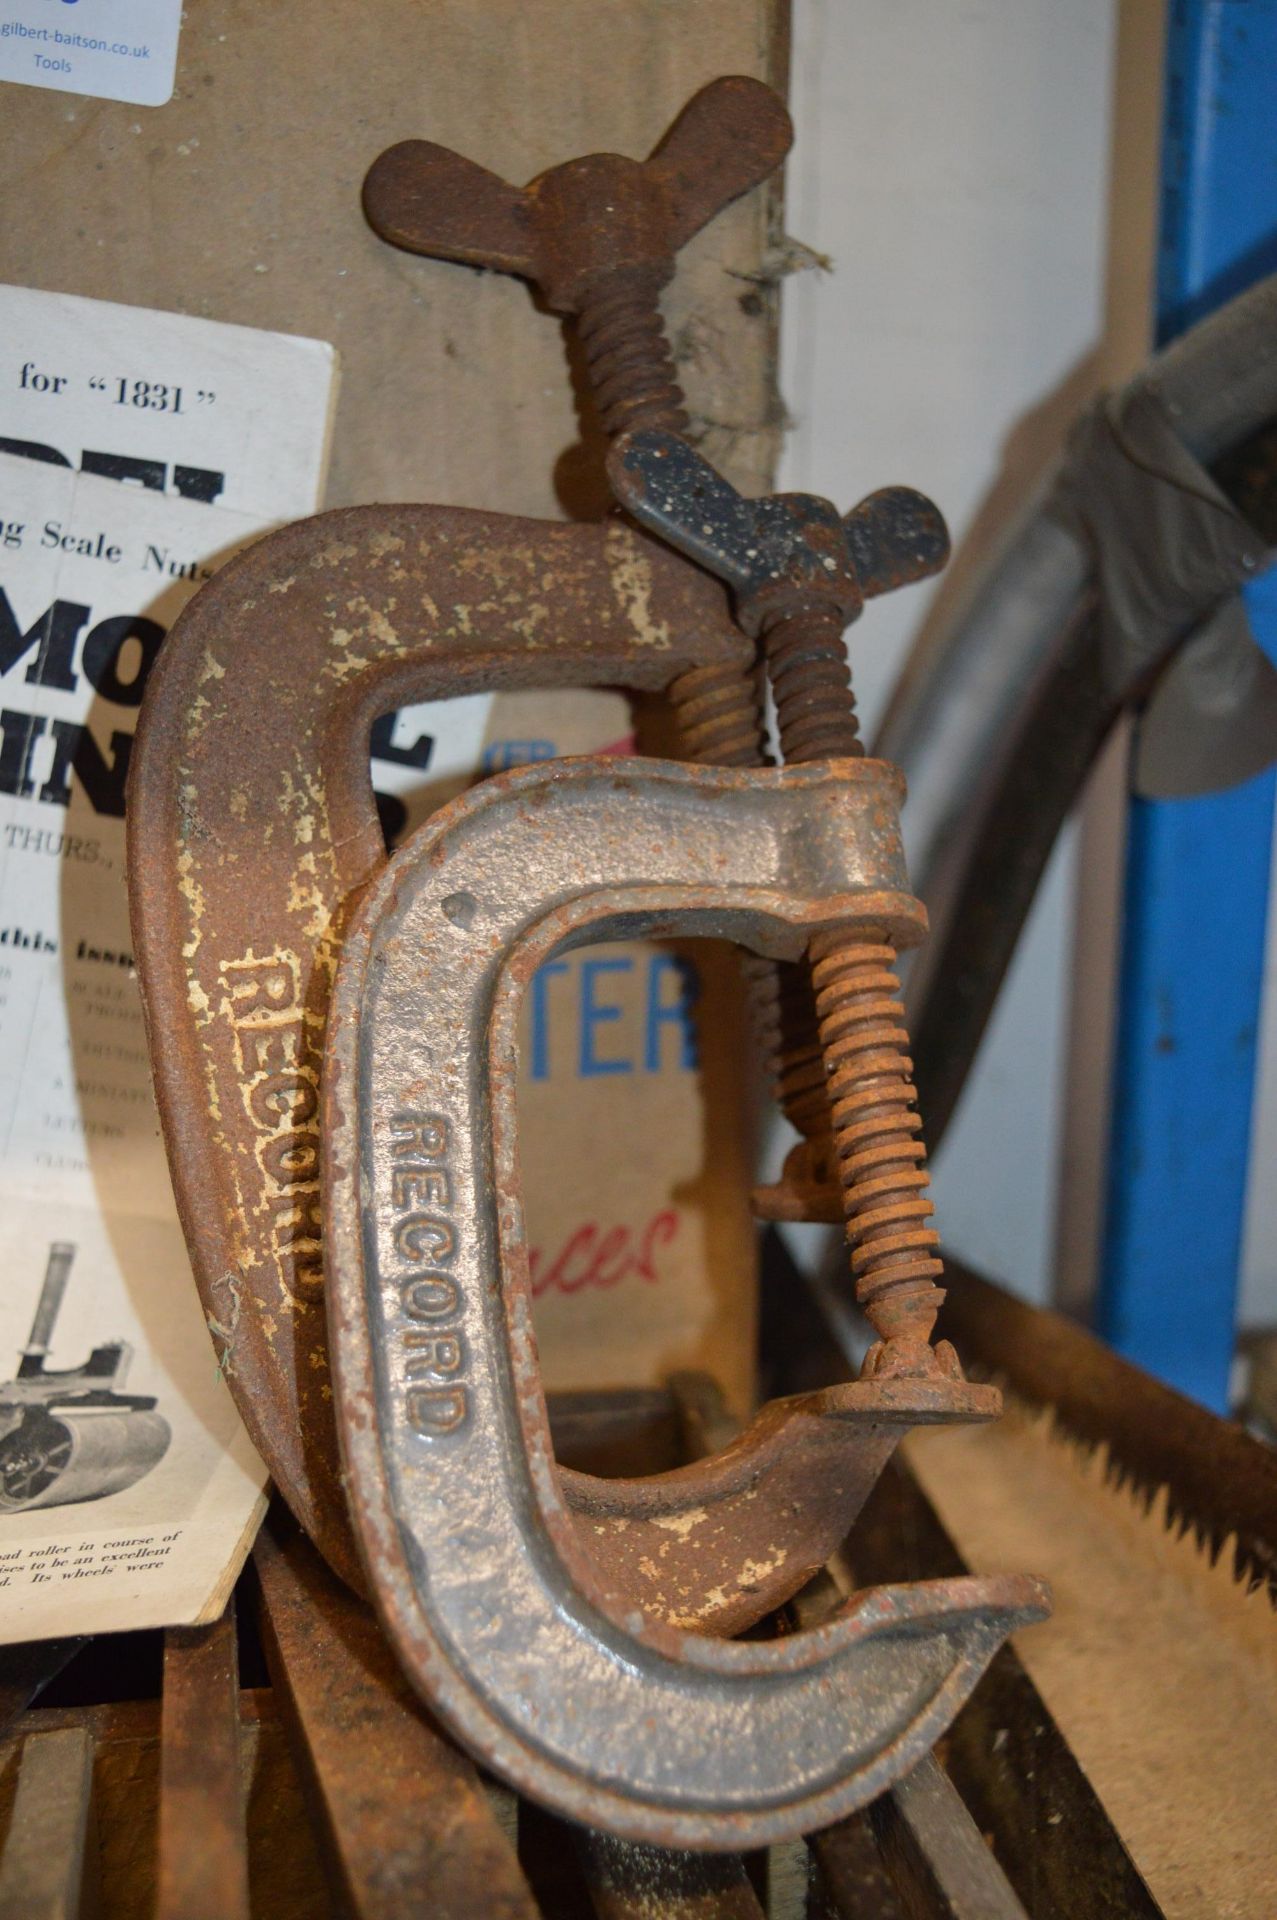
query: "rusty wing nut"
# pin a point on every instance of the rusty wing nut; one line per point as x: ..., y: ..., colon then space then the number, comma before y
x: 592, y: 218
x: 785, y: 553
x: 598, y: 235
x: 251, y: 824
x: 559, y: 1623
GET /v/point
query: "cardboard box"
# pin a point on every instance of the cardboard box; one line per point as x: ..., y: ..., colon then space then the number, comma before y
x: 239, y: 200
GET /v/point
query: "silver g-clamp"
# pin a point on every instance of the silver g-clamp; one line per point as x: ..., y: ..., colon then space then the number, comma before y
x: 515, y: 1592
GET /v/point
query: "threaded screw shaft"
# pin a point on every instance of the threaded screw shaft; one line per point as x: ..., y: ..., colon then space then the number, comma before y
x: 717, y: 708
x: 784, y: 1011
x: 634, y: 384
x: 877, y: 1149
x: 852, y: 1078
x: 880, y: 1157
x: 811, y: 685
x: 719, y: 714
x: 628, y: 357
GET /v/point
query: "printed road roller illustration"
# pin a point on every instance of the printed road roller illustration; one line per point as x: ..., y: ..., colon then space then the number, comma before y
x: 72, y: 1435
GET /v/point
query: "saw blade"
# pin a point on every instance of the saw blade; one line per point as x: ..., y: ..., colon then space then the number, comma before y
x: 1219, y: 1481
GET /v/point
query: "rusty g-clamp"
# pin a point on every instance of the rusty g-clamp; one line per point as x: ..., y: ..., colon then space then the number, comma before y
x: 559, y: 1623
x: 251, y: 822
x: 252, y: 827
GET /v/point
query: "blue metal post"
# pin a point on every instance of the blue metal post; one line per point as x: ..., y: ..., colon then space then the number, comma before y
x: 1197, y: 870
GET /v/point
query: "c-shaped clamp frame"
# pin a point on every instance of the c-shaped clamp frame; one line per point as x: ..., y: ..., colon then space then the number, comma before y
x: 508, y: 1586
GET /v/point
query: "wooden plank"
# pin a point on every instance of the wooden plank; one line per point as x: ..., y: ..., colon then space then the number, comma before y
x: 934, y: 1853
x: 629, y: 1882
x: 287, y: 1876
x: 402, y: 1808
x: 48, y: 1870
x: 203, y: 1835
x: 1157, y: 1665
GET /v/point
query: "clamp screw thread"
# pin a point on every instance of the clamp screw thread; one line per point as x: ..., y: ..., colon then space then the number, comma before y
x: 784, y: 1012
x: 627, y: 353
x: 717, y: 709
x: 719, y: 714
x: 881, y: 1160
x: 811, y: 684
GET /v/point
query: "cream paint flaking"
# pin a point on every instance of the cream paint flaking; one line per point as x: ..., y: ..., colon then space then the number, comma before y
x: 631, y: 577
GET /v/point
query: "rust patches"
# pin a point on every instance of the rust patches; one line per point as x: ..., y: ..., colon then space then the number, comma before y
x: 632, y: 582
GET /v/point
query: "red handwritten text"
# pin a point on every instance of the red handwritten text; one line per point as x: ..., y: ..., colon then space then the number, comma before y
x: 590, y: 1257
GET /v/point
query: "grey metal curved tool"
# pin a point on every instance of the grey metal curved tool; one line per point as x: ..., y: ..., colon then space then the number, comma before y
x: 478, y: 1548
x: 1003, y: 708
